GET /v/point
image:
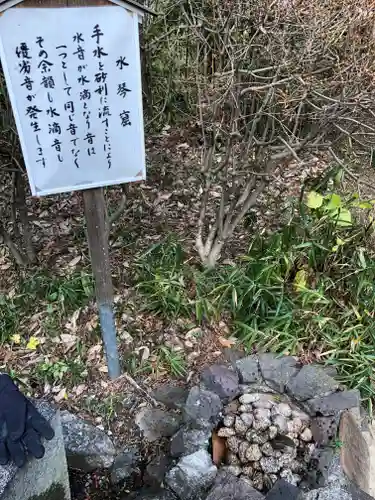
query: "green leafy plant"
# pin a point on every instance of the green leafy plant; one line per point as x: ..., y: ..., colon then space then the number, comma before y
x: 162, y: 277
x: 173, y: 360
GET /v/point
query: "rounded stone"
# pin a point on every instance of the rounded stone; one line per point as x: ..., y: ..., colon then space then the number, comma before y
x: 309, y: 452
x: 288, y: 475
x: 246, y: 479
x: 295, y: 425
x: 256, y: 437
x: 226, y: 432
x: 245, y: 408
x: 273, y: 431
x: 306, y: 435
x: 302, y: 415
x: 247, y: 418
x: 233, y: 443
x: 232, y: 459
x: 262, y: 413
x: 248, y: 470
x: 231, y: 408
x: 263, y: 404
x: 270, y: 465
x: 261, y: 424
x: 242, y: 450
x: 253, y: 453
x: 228, y: 420
x: 236, y: 470
x: 281, y: 423
x: 258, y: 481
x: 297, y: 466
x: 282, y: 409
x: 286, y: 459
x: 267, y: 449
x: 245, y: 399
x: 240, y: 427
x: 256, y: 466
x: 273, y: 478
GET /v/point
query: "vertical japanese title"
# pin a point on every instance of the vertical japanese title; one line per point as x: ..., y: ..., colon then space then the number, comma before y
x: 40, y: 74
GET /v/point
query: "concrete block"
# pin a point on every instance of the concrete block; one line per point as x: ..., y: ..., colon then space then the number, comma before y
x: 44, y: 479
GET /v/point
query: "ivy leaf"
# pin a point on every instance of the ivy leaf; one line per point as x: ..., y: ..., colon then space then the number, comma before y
x: 334, y: 202
x: 314, y: 200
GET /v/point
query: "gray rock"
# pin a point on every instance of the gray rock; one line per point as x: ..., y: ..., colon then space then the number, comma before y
x: 306, y: 435
x: 280, y: 422
x: 192, y: 475
x: 261, y: 413
x: 227, y: 486
x: 247, y: 418
x: 282, y: 490
x: 310, y: 382
x: 337, y: 402
x: 87, y: 448
x: 257, y: 437
x: 277, y: 371
x: 270, y: 465
x: 253, y: 453
x: 261, y: 424
x: 156, y: 423
x: 157, y: 469
x: 236, y: 470
x: 233, y: 444
x: 228, y: 420
x: 172, y: 396
x: 288, y: 475
x: 124, y: 466
x: 282, y: 409
x: 267, y: 449
x: 257, y: 387
x: 151, y: 494
x: 240, y: 427
x: 242, y: 450
x: 203, y: 408
x: 295, y: 426
x: 222, y: 381
x: 258, y: 481
x: 226, y: 432
x: 43, y: 478
x: 248, y: 369
x: 187, y: 441
x: 232, y: 459
x: 324, y: 429
x: 247, y: 399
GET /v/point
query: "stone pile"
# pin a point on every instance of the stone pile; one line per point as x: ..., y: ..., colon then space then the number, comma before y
x: 267, y: 439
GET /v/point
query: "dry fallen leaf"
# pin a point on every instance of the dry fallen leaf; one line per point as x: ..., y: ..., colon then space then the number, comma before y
x: 61, y: 395
x: 75, y: 261
x: 218, y: 448
x: 227, y: 342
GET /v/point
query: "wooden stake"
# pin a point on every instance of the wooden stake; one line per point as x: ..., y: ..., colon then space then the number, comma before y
x: 97, y: 236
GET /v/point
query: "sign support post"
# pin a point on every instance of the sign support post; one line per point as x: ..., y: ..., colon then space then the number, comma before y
x: 97, y: 237
x: 86, y: 80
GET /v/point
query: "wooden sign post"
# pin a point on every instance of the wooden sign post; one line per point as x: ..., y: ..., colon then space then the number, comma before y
x: 73, y: 74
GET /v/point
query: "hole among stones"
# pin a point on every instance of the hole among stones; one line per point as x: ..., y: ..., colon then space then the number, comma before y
x: 267, y: 437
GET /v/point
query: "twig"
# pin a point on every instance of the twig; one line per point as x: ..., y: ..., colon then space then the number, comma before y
x: 121, y: 206
x: 347, y: 170
x: 132, y: 382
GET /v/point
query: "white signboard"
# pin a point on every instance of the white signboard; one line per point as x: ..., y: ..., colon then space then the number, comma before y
x: 74, y: 79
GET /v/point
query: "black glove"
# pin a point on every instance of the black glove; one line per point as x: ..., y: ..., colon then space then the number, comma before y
x: 21, y: 426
